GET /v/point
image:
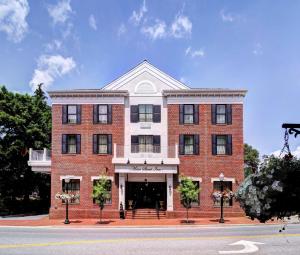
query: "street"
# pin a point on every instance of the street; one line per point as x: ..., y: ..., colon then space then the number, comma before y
x: 256, y: 239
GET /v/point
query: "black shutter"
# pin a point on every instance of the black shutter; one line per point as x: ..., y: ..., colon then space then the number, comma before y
x: 213, y: 114
x: 196, y: 114
x: 134, y: 113
x: 78, y: 114
x: 64, y: 144
x: 181, y: 114
x: 196, y: 145
x: 64, y: 114
x: 109, y: 114
x: 228, y: 114
x: 134, y: 142
x: 95, y: 144
x: 95, y: 114
x: 156, y: 143
x: 181, y: 144
x: 78, y: 144
x: 109, y: 144
x: 229, y: 145
x: 214, y: 144
x: 156, y: 113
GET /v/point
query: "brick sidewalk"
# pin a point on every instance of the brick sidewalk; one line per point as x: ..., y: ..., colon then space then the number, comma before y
x: 45, y: 221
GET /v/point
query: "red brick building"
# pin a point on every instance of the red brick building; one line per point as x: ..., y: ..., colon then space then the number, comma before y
x: 144, y: 130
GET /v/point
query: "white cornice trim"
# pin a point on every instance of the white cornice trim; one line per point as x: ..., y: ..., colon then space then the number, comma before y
x: 197, y: 179
x: 98, y: 178
x: 226, y: 179
x: 140, y: 69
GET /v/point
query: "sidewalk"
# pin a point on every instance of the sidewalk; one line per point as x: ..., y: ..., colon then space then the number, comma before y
x: 45, y: 221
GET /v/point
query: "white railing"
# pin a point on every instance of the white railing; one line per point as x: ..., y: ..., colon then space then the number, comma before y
x: 145, y: 151
x: 39, y: 155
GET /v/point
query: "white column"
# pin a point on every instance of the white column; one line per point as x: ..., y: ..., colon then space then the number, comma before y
x: 169, y: 192
x: 122, y: 190
x: 44, y: 154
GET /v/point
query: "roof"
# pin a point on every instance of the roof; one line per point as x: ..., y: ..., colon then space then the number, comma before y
x: 87, y: 92
x: 206, y: 92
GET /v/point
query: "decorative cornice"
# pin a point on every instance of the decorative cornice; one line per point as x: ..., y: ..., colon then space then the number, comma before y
x: 206, y: 92
x: 88, y: 93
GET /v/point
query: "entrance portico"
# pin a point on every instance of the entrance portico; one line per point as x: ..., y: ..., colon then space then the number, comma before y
x: 146, y: 186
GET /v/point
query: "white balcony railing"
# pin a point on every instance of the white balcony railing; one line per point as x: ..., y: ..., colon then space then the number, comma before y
x: 150, y: 153
x: 40, y: 160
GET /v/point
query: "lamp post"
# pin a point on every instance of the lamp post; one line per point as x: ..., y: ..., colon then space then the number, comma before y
x: 221, y: 178
x: 67, y: 180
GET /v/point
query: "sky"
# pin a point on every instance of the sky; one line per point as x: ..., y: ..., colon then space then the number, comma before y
x: 253, y: 45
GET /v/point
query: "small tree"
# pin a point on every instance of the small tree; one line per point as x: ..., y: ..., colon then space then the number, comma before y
x: 101, y: 192
x: 251, y: 160
x: 188, y: 193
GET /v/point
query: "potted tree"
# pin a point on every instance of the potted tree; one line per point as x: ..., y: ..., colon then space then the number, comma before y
x: 101, y: 192
x: 188, y: 193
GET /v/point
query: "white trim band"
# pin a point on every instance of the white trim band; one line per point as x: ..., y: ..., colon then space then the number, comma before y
x: 98, y: 178
x: 71, y: 177
x: 226, y: 179
x: 196, y: 179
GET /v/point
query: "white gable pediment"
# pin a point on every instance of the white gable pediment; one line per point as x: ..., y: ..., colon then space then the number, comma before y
x: 145, y: 79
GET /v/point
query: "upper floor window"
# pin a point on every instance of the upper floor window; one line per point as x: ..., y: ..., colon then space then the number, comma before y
x: 72, y: 187
x: 102, y: 114
x: 71, y: 144
x: 188, y: 144
x: 71, y: 114
x: 189, y: 114
x: 102, y: 144
x: 221, y: 114
x: 222, y: 144
x: 145, y: 143
x: 145, y: 113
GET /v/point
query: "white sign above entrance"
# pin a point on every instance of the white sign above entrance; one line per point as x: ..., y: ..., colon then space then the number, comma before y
x: 149, y: 169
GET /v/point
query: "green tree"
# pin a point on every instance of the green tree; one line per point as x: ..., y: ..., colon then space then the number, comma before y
x: 188, y: 193
x: 101, y: 192
x: 251, y: 160
x: 25, y: 122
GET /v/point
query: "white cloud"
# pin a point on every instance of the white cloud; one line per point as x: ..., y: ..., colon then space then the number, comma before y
x: 227, y: 17
x: 258, y: 50
x: 194, y: 53
x: 13, y: 15
x: 54, y: 45
x: 60, y: 12
x: 122, y: 29
x: 181, y: 26
x: 92, y: 22
x: 50, y: 67
x: 295, y: 153
x: 137, y: 16
x: 158, y: 30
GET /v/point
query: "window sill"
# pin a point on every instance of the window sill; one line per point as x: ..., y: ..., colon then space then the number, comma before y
x: 102, y: 154
x: 221, y: 124
x: 71, y: 124
x: 70, y: 154
x: 224, y: 206
x: 222, y: 155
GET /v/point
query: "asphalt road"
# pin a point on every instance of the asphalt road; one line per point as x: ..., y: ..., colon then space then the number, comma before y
x: 162, y: 241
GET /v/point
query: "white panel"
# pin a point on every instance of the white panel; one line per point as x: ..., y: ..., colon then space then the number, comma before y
x: 142, y: 177
x: 122, y: 190
x: 205, y: 100
x: 143, y: 169
x: 170, y: 192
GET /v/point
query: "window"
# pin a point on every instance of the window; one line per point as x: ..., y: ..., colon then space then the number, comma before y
x: 108, y: 200
x: 145, y: 143
x: 73, y: 187
x: 222, y: 144
x: 221, y: 114
x: 102, y: 114
x: 102, y: 144
x: 188, y: 112
x: 227, y: 186
x: 71, y: 114
x: 71, y: 144
x: 189, y: 144
x: 196, y: 203
x: 145, y: 112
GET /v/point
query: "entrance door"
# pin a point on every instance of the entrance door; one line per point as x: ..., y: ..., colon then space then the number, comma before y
x: 145, y: 195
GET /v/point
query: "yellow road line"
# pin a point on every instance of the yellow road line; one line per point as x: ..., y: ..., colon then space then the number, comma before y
x: 27, y: 245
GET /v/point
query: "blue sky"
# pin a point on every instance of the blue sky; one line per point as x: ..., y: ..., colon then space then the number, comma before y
x: 232, y: 44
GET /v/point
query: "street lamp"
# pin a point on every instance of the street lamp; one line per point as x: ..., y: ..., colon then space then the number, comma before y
x: 221, y: 178
x: 67, y: 181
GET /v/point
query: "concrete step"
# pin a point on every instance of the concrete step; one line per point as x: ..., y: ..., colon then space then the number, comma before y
x: 145, y: 214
